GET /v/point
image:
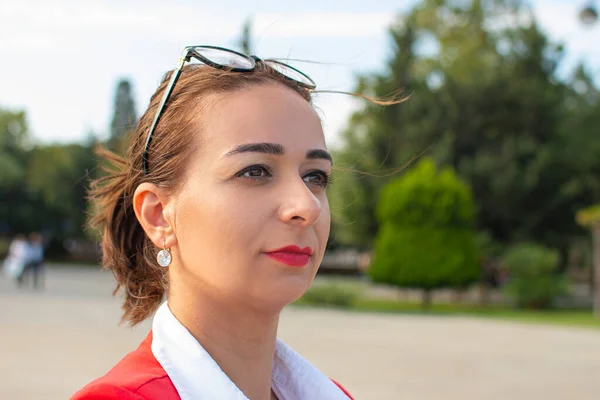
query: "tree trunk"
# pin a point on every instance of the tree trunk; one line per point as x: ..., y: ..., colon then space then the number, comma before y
x: 426, y: 304
x: 596, y: 266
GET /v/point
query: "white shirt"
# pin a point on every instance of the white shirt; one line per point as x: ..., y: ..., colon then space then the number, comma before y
x: 17, y: 258
x: 196, y: 376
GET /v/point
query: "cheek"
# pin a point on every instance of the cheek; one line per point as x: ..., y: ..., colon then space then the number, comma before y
x: 217, y: 232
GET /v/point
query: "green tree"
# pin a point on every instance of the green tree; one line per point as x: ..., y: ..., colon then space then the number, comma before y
x: 14, y: 133
x: 42, y: 187
x: 377, y: 142
x: 426, y: 239
x: 57, y: 177
x: 484, y: 99
x: 14, y: 143
x: 245, y: 42
x: 534, y: 282
x: 125, y: 117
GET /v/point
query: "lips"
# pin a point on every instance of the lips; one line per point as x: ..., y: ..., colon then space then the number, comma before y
x: 291, y: 255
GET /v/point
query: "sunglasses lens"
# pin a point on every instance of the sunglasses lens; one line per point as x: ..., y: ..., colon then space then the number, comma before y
x: 291, y: 73
x: 225, y: 58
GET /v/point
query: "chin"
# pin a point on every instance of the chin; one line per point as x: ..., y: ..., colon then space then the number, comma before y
x: 284, y: 293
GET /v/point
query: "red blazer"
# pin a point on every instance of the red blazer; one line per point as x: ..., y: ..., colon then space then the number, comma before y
x: 138, y: 376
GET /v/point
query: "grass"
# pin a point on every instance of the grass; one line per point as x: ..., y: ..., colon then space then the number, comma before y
x: 570, y: 318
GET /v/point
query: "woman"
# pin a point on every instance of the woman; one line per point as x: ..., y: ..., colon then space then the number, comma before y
x: 221, y: 206
x: 16, y: 259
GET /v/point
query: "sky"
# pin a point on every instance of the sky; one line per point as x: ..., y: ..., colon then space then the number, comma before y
x: 60, y: 60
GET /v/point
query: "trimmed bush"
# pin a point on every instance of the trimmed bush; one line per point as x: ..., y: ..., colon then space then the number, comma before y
x: 426, y: 239
x: 335, y: 295
x: 533, y: 279
x: 425, y: 258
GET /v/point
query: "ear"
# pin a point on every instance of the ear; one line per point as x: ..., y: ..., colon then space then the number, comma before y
x: 150, y: 206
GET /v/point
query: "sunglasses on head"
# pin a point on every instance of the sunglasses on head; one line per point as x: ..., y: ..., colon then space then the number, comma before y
x: 225, y: 59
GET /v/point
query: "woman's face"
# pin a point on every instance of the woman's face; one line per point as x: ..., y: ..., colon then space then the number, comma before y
x: 256, y: 184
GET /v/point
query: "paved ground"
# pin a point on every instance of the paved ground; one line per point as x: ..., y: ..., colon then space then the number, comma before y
x: 53, y: 342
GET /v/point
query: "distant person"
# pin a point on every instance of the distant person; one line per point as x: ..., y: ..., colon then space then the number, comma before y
x: 221, y: 206
x: 16, y: 259
x: 34, y: 260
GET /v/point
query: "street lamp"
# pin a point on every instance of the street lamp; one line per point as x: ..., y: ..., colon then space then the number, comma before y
x: 589, y: 14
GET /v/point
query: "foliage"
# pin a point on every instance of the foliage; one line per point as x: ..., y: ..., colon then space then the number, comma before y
x: 42, y: 186
x: 485, y: 99
x: 426, y: 198
x: 13, y: 145
x: 533, y: 282
x: 124, y: 117
x: 4, y: 245
x: 589, y: 216
x: 425, y: 258
x: 14, y: 142
x: 14, y: 134
x: 426, y: 239
x: 57, y: 176
x: 570, y: 318
x: 245, y: 42
x: 331, y: 294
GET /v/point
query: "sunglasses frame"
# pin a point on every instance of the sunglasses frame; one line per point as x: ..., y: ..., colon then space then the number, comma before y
x: 190, y: 52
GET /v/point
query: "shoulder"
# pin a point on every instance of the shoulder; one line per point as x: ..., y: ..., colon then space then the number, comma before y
x: 101, y: 389
x: 138, y: 376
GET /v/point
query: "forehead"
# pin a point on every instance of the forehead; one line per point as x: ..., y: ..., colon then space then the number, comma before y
x: 273, y: 113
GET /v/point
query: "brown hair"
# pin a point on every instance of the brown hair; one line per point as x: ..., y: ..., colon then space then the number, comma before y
x: 127, y: 251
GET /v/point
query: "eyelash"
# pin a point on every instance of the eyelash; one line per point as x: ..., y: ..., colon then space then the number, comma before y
x: 326, y: 176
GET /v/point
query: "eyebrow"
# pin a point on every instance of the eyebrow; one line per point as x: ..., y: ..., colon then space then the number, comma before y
x: 319, y: 154
x: 277, y: 150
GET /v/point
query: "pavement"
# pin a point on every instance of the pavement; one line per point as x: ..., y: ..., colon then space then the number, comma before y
x: 55, y: 341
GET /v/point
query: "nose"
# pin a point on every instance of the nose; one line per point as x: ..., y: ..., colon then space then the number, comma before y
x: 299, y: 205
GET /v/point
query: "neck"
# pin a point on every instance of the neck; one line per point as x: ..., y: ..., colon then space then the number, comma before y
x: 240, y: 339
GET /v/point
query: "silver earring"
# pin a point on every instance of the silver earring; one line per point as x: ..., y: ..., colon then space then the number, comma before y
x: 164, y: 256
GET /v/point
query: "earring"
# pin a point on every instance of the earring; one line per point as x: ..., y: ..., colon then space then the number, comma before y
x: 164, y: 256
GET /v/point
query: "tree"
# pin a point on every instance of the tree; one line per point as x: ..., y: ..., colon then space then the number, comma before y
x: 377, y: 141
x: 124, y: 117
x: 534, y: 282
x: 426, y: 239
x: 245, y: 43
x: 57, y: 177
x: 14, y: 142
x: 42, y: 187
x: 14, y: 133
x: 487, y: 101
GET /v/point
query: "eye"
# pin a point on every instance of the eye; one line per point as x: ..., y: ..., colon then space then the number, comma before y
x: 319, y: 178
x: 255, y: 172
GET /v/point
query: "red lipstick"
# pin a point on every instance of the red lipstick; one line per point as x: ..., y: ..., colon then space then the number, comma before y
x: 291, y: 255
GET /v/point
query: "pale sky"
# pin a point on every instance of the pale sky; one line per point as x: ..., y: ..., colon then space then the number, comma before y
x: 60, y: 60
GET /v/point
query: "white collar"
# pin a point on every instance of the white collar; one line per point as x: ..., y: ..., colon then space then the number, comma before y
x: 196, y: 376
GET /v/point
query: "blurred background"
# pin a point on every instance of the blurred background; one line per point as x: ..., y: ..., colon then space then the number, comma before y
x: 478, y: 198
